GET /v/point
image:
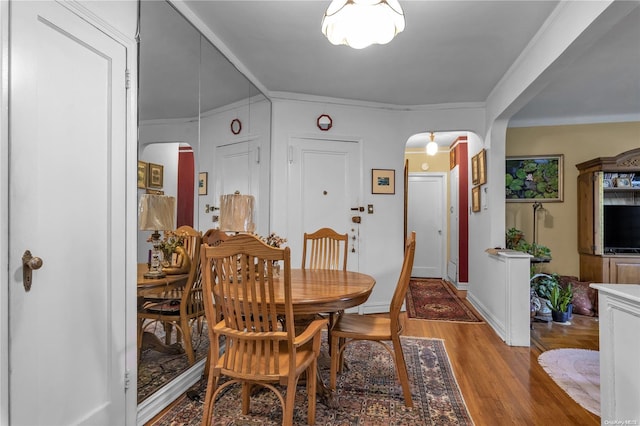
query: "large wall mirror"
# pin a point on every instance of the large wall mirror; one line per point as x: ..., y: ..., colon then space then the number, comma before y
x: 206, y: 129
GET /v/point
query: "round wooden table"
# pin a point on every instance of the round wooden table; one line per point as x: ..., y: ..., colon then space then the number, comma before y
x: 325, y: 291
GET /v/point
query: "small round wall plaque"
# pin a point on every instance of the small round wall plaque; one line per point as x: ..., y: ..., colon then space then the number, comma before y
x: 236, y: 126
x: 324, y: 122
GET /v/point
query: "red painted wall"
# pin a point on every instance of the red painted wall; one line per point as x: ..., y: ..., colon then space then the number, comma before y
x: 186, y: 173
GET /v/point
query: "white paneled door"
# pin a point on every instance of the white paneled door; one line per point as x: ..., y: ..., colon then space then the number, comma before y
x: 324, y: 185
x: 237, y: 167
x: 426, y: 215
x: 67, y: 193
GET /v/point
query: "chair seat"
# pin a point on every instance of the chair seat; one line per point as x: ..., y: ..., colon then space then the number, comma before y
x: 304, y: 357
x: 362, y: 327
x: 161, y: 306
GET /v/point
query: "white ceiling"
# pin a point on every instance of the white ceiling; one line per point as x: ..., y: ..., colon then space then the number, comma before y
x: 450, y: 52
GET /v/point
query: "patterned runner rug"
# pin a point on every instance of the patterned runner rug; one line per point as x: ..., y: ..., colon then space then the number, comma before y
x: 368, y: 393
x: 433, y: 299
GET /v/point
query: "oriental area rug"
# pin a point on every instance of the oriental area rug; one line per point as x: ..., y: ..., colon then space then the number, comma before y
x: 367, y: 393
x: 433, y: 299
x: 156, y: 369
x: 577, y: 372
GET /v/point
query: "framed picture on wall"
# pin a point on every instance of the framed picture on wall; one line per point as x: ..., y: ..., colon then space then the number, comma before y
x: 155, y: 179
x: 452, y: 158
x: 475, y: 176
x: 202, y: 183
x: 383, y: 181
x: 534, y: 178
x: 475, y: 199
x: 482, y: 167
x: 142, y: 174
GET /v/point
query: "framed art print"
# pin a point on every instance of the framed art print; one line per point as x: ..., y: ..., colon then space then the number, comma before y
x: 534, y: 178
x: 156, y: 172
x: 383, y: 181
x: 202, y: 183
x: 475, y: 199
x: 142, y: 174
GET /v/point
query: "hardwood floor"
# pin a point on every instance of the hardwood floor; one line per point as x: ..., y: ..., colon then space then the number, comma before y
x: 505, y: 385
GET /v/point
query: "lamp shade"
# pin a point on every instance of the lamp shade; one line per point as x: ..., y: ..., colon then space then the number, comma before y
x: 360, y: 23
x: 236, y: 213
x: 156, y: 212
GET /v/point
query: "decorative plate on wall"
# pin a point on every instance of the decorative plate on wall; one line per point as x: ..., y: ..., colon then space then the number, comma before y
x: 236, y: 126
x: 324, y: 122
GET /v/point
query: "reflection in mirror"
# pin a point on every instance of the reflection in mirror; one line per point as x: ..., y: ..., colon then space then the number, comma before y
x: 188, y: 97
x: 236, y: 133
x: 168, y: 136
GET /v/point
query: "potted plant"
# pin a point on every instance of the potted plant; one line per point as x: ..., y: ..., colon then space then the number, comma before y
x: 559, y: 300
x: 542, y: 284
x: 513, y: 236
x: 515, y: 240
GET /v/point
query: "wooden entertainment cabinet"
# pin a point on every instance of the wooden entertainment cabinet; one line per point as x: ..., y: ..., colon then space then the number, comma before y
x: 605, y: 181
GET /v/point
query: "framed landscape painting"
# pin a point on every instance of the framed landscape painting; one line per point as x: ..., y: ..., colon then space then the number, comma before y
x: 383, y: 181
x: 534, y: 178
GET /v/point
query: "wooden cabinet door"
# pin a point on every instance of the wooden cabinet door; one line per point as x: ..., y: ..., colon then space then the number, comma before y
x: 590, y: 213
x: 624, y: 270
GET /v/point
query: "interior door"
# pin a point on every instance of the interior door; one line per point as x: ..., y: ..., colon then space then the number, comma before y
x: 324, y: 186
x: 426, y: 213
x: 66, y: 206
x: 237, y: 168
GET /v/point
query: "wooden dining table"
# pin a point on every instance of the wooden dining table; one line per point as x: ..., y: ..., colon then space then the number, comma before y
x: 154, y: 286
x: 317, y: 291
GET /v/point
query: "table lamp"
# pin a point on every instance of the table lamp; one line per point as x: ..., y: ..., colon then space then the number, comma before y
x: 156, y: 213
x: 236, y: 213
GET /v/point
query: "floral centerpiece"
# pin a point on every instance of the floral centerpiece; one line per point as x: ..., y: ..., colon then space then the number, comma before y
x: 274, y: 240
x: 168, y: 245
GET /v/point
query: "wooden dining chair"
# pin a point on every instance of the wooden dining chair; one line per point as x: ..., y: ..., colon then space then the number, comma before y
x: 352, y: 327
x: 214, y: 237
x: 328, y: 250
x: 258, y: 349
x: 180, y: 307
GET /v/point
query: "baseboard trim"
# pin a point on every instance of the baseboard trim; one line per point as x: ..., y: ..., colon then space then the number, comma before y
x: 161, y: 399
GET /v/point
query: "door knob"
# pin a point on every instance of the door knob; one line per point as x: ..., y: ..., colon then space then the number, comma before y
x: 29, y: 264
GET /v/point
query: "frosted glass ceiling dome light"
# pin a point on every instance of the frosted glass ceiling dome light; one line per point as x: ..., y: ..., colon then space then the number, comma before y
x: 360, y: 23
x: 432, y: 147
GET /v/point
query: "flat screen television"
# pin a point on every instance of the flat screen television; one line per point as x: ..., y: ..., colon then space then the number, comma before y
x: 621, y: 229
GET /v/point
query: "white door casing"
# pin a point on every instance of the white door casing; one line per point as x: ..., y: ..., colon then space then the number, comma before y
x: 426, y: 215
x: 454, y: 225
x: 67, y: 335
x: 324, y: 185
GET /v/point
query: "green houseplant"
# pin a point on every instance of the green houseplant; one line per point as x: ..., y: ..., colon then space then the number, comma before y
x: 515, y: 240
x: 559, y: 300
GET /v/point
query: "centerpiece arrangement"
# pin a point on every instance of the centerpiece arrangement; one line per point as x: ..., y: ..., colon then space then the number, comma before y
x: 274, y: 240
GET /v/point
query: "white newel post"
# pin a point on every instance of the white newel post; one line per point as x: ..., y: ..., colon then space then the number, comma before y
x: 514, y: 272
x: 619, y: 312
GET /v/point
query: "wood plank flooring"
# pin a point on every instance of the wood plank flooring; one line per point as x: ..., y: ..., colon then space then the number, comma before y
x: 505, y: 385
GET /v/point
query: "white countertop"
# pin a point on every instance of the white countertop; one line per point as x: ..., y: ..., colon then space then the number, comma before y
x: 630, y: 292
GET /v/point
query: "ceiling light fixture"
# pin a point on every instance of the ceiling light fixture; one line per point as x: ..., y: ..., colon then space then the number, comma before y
x: 360, y: 23
x: 432, y: 147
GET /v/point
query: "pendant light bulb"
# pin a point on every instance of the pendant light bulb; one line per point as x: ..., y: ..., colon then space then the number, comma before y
x: 432, y: 147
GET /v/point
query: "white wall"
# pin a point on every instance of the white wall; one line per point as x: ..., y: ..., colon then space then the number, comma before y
x: 384, y: 133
